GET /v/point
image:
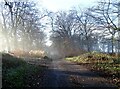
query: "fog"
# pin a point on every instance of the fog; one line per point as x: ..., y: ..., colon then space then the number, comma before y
x: 24, y: 28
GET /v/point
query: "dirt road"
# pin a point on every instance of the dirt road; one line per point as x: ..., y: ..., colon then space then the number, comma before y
x: 62, y: 73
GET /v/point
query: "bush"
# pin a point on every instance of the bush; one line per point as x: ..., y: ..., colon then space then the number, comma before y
x: 117, y: 60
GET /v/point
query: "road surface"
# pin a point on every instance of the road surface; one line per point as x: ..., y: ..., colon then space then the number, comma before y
x: 61, y: 73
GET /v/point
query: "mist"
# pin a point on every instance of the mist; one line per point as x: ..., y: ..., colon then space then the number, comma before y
x: 53, y: 47
x: 25, y: 27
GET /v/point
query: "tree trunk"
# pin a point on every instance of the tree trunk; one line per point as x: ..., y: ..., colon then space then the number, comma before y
x: 108, y: 47
x: 112, y: 41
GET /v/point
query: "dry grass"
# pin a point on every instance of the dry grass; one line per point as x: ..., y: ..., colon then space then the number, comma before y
x: 33, y: 53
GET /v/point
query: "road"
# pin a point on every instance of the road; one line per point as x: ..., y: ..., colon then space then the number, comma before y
x: 61, y: 73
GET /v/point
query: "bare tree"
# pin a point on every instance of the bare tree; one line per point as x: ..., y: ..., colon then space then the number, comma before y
x: 65, y: 28
x: 87, y: 27
x: 24, y: 25
x: 105, y: 15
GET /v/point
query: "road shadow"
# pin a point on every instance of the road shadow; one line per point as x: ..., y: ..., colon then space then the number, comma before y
x: 60, y: 78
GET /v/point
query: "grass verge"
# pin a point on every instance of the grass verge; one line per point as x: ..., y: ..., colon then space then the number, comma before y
x: 18, y: 73
x: 104, y: 64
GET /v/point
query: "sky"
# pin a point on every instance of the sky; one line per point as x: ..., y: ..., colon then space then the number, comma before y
x: 55, y: 5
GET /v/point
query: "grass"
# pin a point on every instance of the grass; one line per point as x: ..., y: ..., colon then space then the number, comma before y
x: 93, y: 57
x: 108, y: 70
x: 18, y: 73
x: 105, y: 64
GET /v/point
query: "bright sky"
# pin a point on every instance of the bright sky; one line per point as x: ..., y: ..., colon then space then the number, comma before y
x: 55, y: 5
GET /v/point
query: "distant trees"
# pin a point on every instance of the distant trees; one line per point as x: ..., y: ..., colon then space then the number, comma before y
x: 94, y: 29
x: 65, y: 23
x: 73, y: 32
